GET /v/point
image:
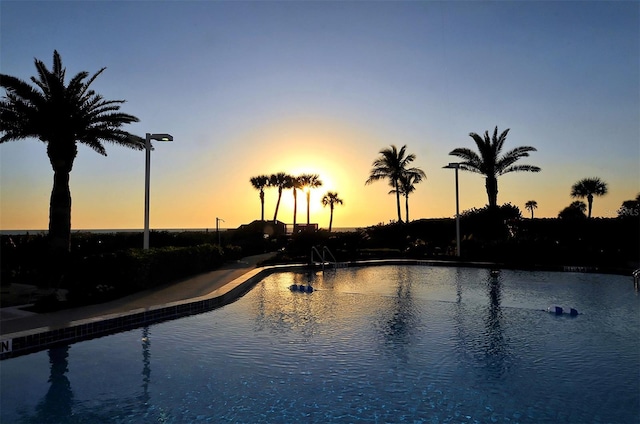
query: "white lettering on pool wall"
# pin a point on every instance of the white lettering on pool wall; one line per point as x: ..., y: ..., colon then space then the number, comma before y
x: 6, y: 345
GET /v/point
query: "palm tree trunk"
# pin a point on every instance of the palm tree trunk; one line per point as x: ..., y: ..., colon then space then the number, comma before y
x: 406, y: 207
x: 590, y: 201
x: 308, y: 206
x: 275, y: 215
x: 295, y: 207
x: 395, y: 186
x: 61, y: 156
x: 331, y: 218
x: 261, y: 205
x: 60, y: 213
x: 491, y: 184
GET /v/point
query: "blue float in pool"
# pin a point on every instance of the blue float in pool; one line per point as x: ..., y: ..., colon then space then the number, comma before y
x: 301, y: 288
x: 558, y: 310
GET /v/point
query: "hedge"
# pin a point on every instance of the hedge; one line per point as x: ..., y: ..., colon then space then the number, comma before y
x: 105, y: 276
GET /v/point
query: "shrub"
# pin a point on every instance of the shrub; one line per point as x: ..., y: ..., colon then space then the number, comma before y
x: 105, y: 276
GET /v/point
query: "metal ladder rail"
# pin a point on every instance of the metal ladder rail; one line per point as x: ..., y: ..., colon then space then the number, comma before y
x: 326, y: 249
x: 322, y: 256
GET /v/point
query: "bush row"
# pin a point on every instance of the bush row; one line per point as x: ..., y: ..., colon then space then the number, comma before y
x: 105, y: 276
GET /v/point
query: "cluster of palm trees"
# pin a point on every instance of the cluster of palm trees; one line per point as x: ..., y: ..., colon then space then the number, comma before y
x: 304, y: 182
x: 63, y: 114
x: 393, y: 165
x: 585, y: 188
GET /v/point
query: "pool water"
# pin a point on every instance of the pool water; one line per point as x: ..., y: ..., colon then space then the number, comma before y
x: 384, y: 344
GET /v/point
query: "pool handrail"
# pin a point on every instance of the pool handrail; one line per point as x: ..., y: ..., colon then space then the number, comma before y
x: 322, y: 256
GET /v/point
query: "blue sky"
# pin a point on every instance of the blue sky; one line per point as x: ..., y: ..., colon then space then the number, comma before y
x: 249, y: 88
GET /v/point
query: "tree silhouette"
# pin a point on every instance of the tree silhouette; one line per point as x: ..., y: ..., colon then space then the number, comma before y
x: 531, y: 205
x: 62, y: 115
x: 309, y: 181
x: 406, y: 185
x: 630, y: 207
x: 490, y: 162
x: 296, y: 184
x: 576, y: 210
x: 281, y: 181
x: 331, y: 199
x: 391, y: 165
x: 259, y: 183
x: 589, y: 187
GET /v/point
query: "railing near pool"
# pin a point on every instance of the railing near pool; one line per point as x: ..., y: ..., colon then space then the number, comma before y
x: 636, y: 279
x: 324, y: 259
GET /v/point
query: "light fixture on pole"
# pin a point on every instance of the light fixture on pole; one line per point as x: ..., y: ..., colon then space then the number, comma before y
x: 218, y: 228
x: 456, y: 166
x: 147, y: 171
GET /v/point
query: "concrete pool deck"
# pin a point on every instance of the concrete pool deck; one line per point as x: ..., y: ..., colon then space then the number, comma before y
x: 23, y: 332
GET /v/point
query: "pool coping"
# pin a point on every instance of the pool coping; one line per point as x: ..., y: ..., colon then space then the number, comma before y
x: 29, y: 341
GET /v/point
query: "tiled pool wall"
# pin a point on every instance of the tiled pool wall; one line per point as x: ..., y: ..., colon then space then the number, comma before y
x: 29, y: 341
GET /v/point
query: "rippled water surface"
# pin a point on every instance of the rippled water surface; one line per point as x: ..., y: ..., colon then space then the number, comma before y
x: 393, y: 344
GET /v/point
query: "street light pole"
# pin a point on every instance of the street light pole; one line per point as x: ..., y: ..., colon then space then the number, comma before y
x: 456, y: 166
x: 147, y: 178
x: 218, y: 228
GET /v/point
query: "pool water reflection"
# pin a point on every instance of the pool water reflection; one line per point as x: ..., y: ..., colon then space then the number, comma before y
x: 377, y: 344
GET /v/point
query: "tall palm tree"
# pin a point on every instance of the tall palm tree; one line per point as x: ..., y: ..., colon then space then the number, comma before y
x: 309, y: 181
x: 406, y: 185
x: 259, y: 183
x: 391, y: 165
x: 281, y: 181
x: 589, y: 187
x: 531, y: 205
x: 296, y: 184
x: 61, y: 115
x: 331, y: 199
x: 490, y: 162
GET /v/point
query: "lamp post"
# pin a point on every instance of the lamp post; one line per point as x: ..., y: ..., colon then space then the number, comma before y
x: 456, y: 166
x: 218, y: 228
x: 147, y: 171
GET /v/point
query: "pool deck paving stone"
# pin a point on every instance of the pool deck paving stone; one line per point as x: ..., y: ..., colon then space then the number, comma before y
x: 15, y: 322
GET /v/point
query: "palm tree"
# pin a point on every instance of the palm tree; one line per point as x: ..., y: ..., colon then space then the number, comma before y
x: 406, y: 185
x: 296, y: 184
x: 281, y: 181
x: 259, y: 183
x: 490, y: 162
x: 531, y: 205
x: 589, y: 187
x: 391, y: 165
x: 61, y: 115
x: 309, y: 181
x: 331, y: 199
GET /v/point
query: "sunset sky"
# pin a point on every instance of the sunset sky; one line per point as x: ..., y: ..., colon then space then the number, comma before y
x: 250, y: 88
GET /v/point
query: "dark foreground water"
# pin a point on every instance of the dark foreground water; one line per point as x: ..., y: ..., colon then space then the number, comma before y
x: 387, y: 344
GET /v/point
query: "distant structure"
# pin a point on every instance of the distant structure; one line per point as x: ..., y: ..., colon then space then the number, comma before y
x: 268, y: 228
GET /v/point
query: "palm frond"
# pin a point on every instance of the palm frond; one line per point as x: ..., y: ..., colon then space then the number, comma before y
x: 521, y: 168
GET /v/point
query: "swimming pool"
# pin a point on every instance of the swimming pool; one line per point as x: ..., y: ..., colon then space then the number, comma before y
x: 413, y: 344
